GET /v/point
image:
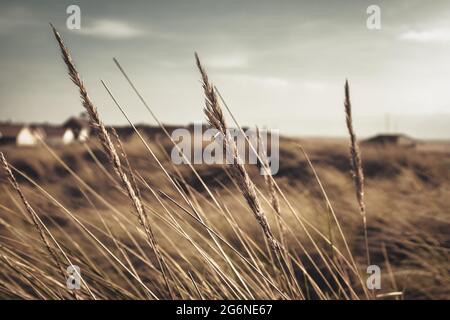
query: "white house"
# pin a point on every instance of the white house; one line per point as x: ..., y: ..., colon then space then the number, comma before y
x: 79, y: 126
x: 55, y: 135
x: 21, y: 135
x: 24, y: 135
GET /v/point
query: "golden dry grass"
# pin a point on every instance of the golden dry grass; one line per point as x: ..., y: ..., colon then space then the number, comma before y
x: 407, y: 198
x: 140, y: 227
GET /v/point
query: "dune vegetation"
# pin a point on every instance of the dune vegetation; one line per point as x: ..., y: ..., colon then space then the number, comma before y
x: 140, y: 227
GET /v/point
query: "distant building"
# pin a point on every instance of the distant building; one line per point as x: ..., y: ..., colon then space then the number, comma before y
x: 18, y: 134
x: 400, y: 140
x: 74, y: 129
x: 54, y: 135
x: 79, y: 127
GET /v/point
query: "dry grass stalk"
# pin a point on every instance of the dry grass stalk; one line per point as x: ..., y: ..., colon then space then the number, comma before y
x: 33, y: 215
x: 216, y: 119
x: 356, y: 165
x: 108, y: 147
x: 275, y: 202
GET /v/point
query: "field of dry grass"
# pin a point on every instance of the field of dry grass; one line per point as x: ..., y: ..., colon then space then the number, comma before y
x: 140, y: 227
x: 407, y: 200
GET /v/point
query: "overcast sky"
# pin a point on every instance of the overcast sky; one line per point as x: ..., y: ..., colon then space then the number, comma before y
x: 280, y: 64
